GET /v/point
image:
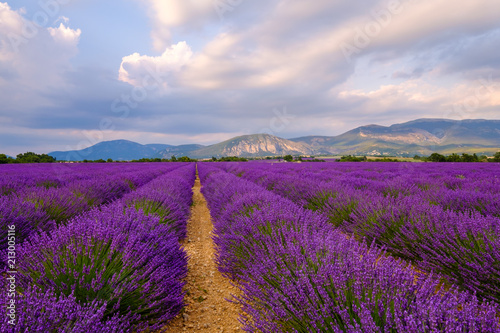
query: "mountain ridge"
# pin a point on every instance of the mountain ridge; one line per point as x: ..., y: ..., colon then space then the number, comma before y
x: 421, y: 136
x: 119, y: 150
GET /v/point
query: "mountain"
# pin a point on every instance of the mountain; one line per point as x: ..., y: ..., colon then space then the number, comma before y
x: 178, y: 151
x: 422, y: 136
x: 250, y: 146
x: 118, y: 150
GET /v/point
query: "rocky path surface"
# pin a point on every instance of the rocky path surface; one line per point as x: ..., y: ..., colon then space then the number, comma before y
x: 207, y: 290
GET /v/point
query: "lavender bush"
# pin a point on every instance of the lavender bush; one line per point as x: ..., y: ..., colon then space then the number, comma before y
x: 45, y: 311
x: 26, y: 219
x: 298, y: 274
x: 168, y: 197
x: 442, y: 218
x: 130, y: 261
x: 110, y: 269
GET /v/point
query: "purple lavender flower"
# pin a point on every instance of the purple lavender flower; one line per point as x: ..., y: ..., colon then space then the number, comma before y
x: 298, y: 274
x: 114, y: 255
x: 46, y: 311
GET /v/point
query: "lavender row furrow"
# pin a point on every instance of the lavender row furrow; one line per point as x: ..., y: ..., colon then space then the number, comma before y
x: 298, y: 274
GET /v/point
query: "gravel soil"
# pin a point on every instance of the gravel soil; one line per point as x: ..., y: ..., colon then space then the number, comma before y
x: 208, y: 292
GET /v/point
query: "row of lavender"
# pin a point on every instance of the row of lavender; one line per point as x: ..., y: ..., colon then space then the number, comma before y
x: 115, y: 268
x: 443, y: 218
x: 297, y: 273
x: 40, y: 197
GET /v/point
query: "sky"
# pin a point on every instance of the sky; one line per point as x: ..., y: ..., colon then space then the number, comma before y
x: 77, y: 72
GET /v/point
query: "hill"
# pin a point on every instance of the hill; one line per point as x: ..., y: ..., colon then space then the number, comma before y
x: 255, y: 145
x: 422, y: 137
x: 118, y: 150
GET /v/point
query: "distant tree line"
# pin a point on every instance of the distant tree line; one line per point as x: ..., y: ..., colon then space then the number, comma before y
x: 146, y: 160
x: 31, y: 157
x: 28, y: 157
x: 172, y: 159
x: 435, y: 157
x: 228, y: 159
x: 350, y: 158
x: 290, y: 158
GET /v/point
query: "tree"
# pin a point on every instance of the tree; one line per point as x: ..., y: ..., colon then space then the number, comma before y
x: 174, y: 159
x: 470, y: 158
x: 453, y: 158
x: 109, y: 160
x: 435, y: 157
x: 288, y: 158
x: 31, y: 157
x: 496, y: 157
x: 4, y: 159
x: 350, y: 158
x: 185, y: 159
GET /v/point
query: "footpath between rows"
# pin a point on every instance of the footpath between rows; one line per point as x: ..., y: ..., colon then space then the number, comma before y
x: 208, y: 308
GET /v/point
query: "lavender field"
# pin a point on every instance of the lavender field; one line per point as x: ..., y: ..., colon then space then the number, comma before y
x: 93, y: 248
x: 352, y: 247
x: 313, y: 247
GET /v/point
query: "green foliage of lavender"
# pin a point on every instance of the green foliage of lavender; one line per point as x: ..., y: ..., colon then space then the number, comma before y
x: 298, y: 274
x: 129, y: 261
x: 108, y: 269
x: 442, y: 218
x: 46, y: 311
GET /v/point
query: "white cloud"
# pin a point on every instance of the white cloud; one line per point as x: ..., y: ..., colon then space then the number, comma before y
x: 298, y: 43
x: 33, y: 59
x: 66, y: 35
x: 291, y: 54
x: 462, y: 100
x: 145, y: 71
x: 168, y: 14
x: 11, y: 26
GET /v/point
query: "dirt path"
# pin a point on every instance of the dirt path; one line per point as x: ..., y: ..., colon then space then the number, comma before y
x: 207, y: 290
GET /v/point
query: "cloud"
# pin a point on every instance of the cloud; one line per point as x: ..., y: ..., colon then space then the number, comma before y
x: 144, y: 71
x: 11, y: 27
x: 243, y: 59
x: 418, y: 98
x: 65, y: 35
x: 289, y: 55
x: 33, y: 61
x: 415, y: 74
x: 298, y: 44
x: 473, y: 55
x: 169, y: 14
